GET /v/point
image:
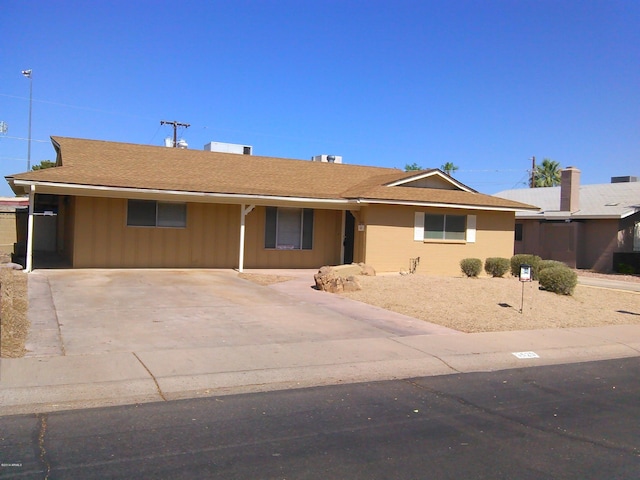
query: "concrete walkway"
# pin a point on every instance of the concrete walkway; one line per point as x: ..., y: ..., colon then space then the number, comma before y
x: 234, y: 336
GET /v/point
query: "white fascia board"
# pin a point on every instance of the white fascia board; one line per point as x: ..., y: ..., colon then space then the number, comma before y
x: 569, y: 217
x: 203, y: 197
x: 363, y: 201
x: 429, y: 174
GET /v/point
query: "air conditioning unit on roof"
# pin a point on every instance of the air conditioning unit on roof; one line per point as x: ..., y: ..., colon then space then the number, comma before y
x: 327, y: 158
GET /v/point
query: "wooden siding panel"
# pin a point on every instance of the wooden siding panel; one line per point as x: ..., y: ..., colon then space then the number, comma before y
x: 102, y: 239
x: 327, y: 240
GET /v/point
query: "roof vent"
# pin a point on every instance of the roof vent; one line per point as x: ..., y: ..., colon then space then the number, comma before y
x: 327, y: 158
x: 228, y: 148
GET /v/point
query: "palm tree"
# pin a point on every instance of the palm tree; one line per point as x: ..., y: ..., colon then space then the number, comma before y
x: 547, y: 174
x: 448, y: 168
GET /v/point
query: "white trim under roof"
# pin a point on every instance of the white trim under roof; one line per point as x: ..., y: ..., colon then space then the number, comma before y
x: 420, y: 176
x: 175, y: 195
x: 577, y: 216
x: 365, y: 201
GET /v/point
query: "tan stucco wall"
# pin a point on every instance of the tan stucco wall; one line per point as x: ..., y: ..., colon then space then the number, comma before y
x: 101, y: 238
x: 8, y: 235
x: 390, y: 244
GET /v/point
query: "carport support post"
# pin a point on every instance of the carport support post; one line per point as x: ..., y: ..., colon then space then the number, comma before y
x: 29, y: 253
x: 243, y: 213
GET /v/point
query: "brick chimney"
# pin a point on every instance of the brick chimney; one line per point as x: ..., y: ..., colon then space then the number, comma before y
x: 570, y: 189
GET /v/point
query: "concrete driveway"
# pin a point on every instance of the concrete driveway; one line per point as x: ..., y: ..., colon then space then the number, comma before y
x: 78, y: 312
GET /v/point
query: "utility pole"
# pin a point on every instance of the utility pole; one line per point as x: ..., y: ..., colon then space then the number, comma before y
x: 29, y: 74
x: 175, y: 129
x: 532, y: 182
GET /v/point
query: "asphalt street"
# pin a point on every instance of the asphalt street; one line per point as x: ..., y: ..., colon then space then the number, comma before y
x: 576, y: 421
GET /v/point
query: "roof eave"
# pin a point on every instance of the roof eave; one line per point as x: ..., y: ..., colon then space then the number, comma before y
x: 414, y: 203
x: 178, y: 195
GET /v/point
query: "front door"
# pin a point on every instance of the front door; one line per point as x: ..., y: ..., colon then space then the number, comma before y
x: 349, y: 235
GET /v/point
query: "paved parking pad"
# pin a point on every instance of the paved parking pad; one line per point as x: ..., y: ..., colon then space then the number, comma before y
x: 100, y: 311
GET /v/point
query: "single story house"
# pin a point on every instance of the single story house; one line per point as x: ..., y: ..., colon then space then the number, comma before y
x: 593, y: 227
x: 118, y: 205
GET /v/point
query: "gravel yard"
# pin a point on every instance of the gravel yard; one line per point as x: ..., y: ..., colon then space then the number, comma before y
x: 493, y: 304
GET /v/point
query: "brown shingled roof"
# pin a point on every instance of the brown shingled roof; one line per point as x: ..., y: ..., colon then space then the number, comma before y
x: 124, y: 165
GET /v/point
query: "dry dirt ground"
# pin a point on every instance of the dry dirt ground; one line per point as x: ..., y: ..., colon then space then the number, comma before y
x: 492, y: 304
x: 488, y: 304
x: 14, y: 325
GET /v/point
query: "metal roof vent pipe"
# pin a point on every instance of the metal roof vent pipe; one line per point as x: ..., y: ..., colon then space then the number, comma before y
x: 570, y: 189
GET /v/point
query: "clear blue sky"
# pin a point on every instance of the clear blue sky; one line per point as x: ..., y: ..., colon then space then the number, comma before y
x: 483, y: 84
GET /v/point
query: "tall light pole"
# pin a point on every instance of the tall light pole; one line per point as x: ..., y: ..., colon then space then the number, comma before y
x: 27, y: 73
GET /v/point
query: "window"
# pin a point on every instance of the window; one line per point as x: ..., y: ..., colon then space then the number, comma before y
x: 445, y: 227
x: 518, y: 232
x: 434, y: 227
x: 288, y: 228
x: 150, y: 213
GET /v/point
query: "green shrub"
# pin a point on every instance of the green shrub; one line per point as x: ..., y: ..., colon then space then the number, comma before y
x: 549, y: 263
x: 496, y: 266
x: 526, y: 259
x: 471, y: 267
x: 557, y: 279
x: 626, y: 269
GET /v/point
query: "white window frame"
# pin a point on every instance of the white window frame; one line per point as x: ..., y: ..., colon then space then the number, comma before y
x: 418, y: 229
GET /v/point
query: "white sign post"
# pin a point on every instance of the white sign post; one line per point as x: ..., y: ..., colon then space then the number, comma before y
x: 525, y: 276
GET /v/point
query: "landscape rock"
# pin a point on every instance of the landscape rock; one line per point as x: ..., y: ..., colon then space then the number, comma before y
x: 367, y: 270
x: 338, y: 279
x: 11, y: 266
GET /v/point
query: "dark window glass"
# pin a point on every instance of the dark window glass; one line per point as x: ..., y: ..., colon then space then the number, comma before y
x: 518, y: 232
x: 445, y: 227
x: 141, y: 213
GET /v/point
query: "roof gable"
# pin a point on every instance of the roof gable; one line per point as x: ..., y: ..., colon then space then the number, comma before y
x: 432, y: 178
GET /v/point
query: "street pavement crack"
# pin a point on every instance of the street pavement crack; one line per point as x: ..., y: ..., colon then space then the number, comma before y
x: 430, y: 354
x: 152, y: 376
x: 55, y: 312
x: 42, y: 452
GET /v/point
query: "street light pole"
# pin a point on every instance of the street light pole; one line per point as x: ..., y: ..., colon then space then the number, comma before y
x: 27, y: 73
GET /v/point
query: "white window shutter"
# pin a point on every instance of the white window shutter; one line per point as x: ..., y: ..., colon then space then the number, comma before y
x: 471, y: 228
x: 418, y: 227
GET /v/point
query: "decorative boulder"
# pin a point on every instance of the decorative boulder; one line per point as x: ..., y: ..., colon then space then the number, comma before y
x: 337, y: 279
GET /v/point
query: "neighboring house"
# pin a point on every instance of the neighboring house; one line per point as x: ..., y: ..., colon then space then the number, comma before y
x: 10, y: 216
x: 590, y: 226
x: 121, y: 205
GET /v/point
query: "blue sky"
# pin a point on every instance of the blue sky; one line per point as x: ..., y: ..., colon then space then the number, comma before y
x: 483, y: 84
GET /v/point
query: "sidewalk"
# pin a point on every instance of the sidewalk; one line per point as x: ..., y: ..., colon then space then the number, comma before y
x: 59, y: 382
